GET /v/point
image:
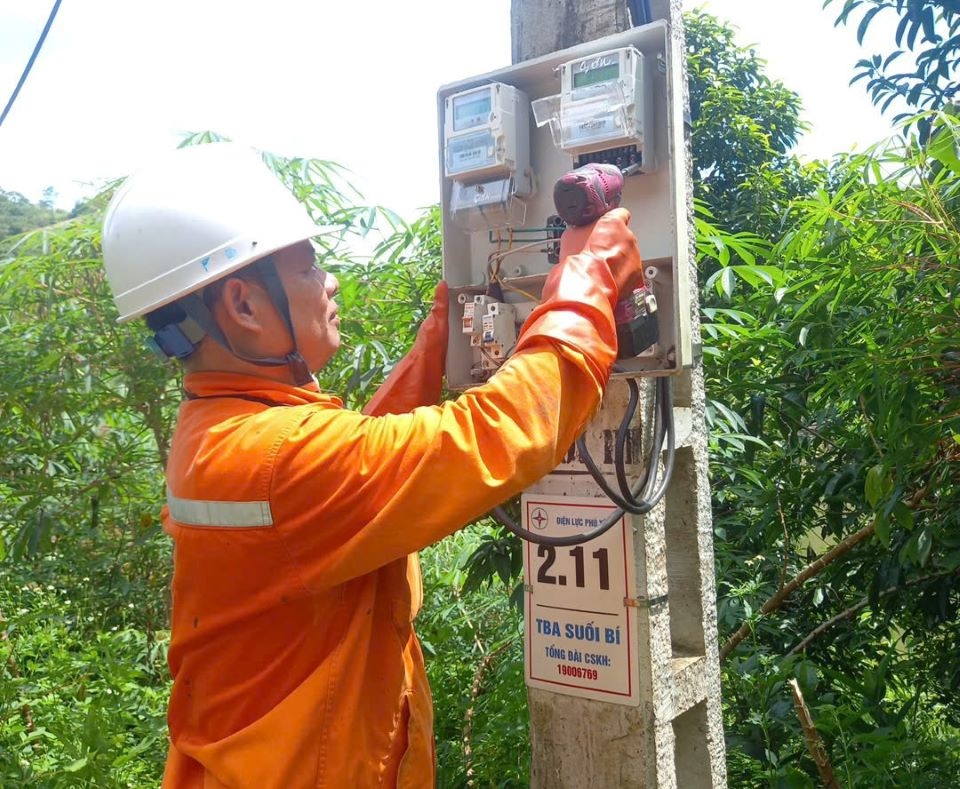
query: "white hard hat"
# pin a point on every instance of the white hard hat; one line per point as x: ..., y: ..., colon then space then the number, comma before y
x: 191, y: 218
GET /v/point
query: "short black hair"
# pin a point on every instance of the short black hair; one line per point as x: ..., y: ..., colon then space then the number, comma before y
x: 212, y: 293
x: 174, y: 313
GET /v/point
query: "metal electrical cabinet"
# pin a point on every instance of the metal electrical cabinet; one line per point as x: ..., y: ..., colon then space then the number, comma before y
x: 507, y: 136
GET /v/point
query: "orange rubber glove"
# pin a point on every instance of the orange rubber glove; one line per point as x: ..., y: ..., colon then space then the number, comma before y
x: 598, y: 263
x: 418, y: 377
x: 610, y: 240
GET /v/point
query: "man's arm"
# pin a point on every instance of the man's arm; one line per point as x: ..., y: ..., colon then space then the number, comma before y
x: 357, y: 492
x: 417, y: 379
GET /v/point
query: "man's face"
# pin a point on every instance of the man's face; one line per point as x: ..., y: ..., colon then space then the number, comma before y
x: 310, y: 291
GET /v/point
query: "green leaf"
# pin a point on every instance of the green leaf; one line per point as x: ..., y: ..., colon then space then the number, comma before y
x: 501, y: 563
x: 865, y: 23
x: 903, y: 516
x: 727, y: 282
x: 924, y: 546
x: 76, y: 766
x: 943, y: 145
x: 875, y: 485
x: 882, y: 528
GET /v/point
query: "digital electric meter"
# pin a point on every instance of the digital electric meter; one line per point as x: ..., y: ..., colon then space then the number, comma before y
x: 486, y: 154
x: 605, y: 106
x: 486, y: 133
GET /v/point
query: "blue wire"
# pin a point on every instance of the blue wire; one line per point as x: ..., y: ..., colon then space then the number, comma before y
x: 33, y: 57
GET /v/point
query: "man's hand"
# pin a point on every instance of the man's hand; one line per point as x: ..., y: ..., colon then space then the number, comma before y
x: 608, y: 239
x: 418, y: 377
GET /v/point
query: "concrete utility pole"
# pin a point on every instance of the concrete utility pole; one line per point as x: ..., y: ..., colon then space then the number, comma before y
x: 674, y: 738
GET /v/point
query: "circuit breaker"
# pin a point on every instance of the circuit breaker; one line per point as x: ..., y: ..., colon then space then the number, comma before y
x: 507, y: 136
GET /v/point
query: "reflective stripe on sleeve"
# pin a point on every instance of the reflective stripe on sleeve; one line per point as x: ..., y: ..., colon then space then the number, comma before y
x: 230, y: 514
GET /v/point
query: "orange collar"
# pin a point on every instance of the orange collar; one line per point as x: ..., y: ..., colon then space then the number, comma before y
x: 218, y: 384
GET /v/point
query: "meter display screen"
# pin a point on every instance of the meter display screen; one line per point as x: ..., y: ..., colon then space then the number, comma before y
x: 471, y: 110
x: 596, y: 75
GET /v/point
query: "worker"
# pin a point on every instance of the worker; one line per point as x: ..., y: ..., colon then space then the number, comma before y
x: 295, y: 521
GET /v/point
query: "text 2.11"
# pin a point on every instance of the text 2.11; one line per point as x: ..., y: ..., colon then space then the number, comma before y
x: 549, y: 554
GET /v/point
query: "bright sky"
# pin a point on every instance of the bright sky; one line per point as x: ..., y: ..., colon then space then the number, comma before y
x: 355, y: 82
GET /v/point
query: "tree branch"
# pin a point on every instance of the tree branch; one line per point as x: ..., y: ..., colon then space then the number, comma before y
x: 850, y: 612
x: 475, y: 689
x: 786, y: 541
x: 812, y: 569
x: 814, y: 742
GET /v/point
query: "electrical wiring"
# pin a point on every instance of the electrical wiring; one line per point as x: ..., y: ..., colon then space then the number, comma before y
x: 497, y: 363
x: 31, y: 61
x: 639, y: 499
x: 495, y: 260
x: 650, y: 488
x: 514, y: 289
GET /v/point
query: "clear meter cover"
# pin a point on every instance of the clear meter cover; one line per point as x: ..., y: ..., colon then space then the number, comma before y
x: 602, y: 118
x: 488, y: 206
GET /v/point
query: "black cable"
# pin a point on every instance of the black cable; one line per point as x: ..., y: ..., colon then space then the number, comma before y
x: 621, y: 500
x: 644, y: 496
x: 33, y: 57
x: 619, y: 461
x: 665, y: 399
x: 663, y: 421
x: 647, y: 488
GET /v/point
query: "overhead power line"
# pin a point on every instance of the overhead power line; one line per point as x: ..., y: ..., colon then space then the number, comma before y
x: 33, y: 57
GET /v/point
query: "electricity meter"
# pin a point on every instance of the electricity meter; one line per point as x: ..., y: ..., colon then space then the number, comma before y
x: 604, y: 111
x: 486, y: 154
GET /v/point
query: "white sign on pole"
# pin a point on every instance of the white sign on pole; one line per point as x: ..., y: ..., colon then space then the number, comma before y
x: 581, y: 626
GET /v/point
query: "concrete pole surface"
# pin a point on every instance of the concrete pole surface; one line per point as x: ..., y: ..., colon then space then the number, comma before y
x: 674, y: 738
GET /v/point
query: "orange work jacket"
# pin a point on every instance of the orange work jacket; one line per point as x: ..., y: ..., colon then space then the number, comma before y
x: 295, y: 524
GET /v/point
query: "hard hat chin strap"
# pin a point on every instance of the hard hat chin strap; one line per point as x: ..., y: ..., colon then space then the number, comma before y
x: 197, y: 310
x: 267, y: 271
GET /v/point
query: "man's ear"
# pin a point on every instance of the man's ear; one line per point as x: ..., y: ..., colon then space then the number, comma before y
x: 241, y: 306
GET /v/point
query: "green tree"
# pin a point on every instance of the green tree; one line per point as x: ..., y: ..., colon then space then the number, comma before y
x: 743, y: 125
x: 84, y: 425
x: 830, y: 349
x: 928, y: 34
x: 837, y: 514
x: 18, y: 214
